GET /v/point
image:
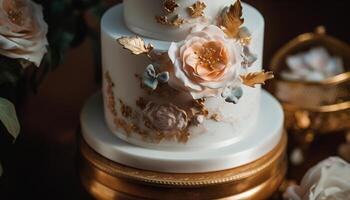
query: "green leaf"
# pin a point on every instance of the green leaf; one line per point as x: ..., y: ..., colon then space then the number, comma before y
x: 8, y: 117
x: 11, y: 70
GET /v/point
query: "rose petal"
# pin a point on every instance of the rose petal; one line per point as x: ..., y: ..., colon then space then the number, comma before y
x: 193, y: 73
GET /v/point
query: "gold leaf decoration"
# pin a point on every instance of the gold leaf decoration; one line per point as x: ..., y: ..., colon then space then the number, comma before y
x: 183, y: 137
x: 232, y: 20
x: 178, y: 21
x: 170, y: 6
x: 251, y: 79
x: 216, y: 117
x: 109, y: 91
x: 135, y: 44
x: 197, y: 9
x: 162, y: 20
x: 199, y: 107
x: 125, y: 110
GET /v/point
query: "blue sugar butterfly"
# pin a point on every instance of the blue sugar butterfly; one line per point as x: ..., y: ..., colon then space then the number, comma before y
x: 151, y: 79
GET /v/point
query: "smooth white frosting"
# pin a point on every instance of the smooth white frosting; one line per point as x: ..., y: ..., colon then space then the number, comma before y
x: 237, y: 120
x: 140, y: 17
x: 266, y: 134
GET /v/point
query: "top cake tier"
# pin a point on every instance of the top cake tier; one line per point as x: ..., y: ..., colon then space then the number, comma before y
x: 171, y: 20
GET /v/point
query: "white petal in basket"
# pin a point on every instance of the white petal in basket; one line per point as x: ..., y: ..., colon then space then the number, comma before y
x: 314, y: 65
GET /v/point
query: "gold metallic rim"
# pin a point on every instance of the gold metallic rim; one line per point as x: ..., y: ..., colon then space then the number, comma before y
x: 252, y: 181
x: 321, y: 109
x: 182, y: 179
x: 262, y: 190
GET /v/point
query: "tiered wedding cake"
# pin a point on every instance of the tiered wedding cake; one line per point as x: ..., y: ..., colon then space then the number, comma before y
x: 181, y: 86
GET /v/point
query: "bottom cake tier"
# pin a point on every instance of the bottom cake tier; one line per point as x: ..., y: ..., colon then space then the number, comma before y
x: 266, y: 136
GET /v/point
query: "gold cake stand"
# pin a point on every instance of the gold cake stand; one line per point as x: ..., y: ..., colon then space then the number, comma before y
x: 105, y: 179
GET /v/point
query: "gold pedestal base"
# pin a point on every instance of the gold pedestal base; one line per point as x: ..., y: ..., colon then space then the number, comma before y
x: 105, y: 179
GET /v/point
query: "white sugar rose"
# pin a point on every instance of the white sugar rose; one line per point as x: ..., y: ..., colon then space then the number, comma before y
x: 22, y: 30
x: 205, y: 63
x: 328, y: 180
x: 167, y: 118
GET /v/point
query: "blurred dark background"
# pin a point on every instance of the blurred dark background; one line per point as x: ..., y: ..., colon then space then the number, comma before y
x: 42, y: 162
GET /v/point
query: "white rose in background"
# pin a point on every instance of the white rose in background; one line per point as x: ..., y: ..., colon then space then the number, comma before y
x: 22, y: 30
x: 205, y: 63
x: 328, y: 180
x: 314, y: 65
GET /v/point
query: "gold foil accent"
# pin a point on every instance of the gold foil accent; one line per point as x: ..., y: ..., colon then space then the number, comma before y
x: 197, y: 9
x: 141, y: 103
x: 135, y: 45
x: 122, y: 124
x: 129, y: 127
x: 251, y: 79
x: 183, y: 137
x: 199, y: 107
x: 232, y: 20
x: 162, y: 20
x: 157, y: 135
x: 125, y: 110
x: 215, y: 117
x: 110, y: 95
x: 176, y: 21
x: 199, y: 102
x: 170, y: 6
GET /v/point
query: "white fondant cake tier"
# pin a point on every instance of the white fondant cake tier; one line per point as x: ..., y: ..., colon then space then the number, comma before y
x: 140, y: 17
x: 264, y: 137
x: 121, y: 90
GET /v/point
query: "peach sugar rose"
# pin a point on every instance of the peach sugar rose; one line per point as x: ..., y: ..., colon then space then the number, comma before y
x: 22, y: 30
x: 205, y: 63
